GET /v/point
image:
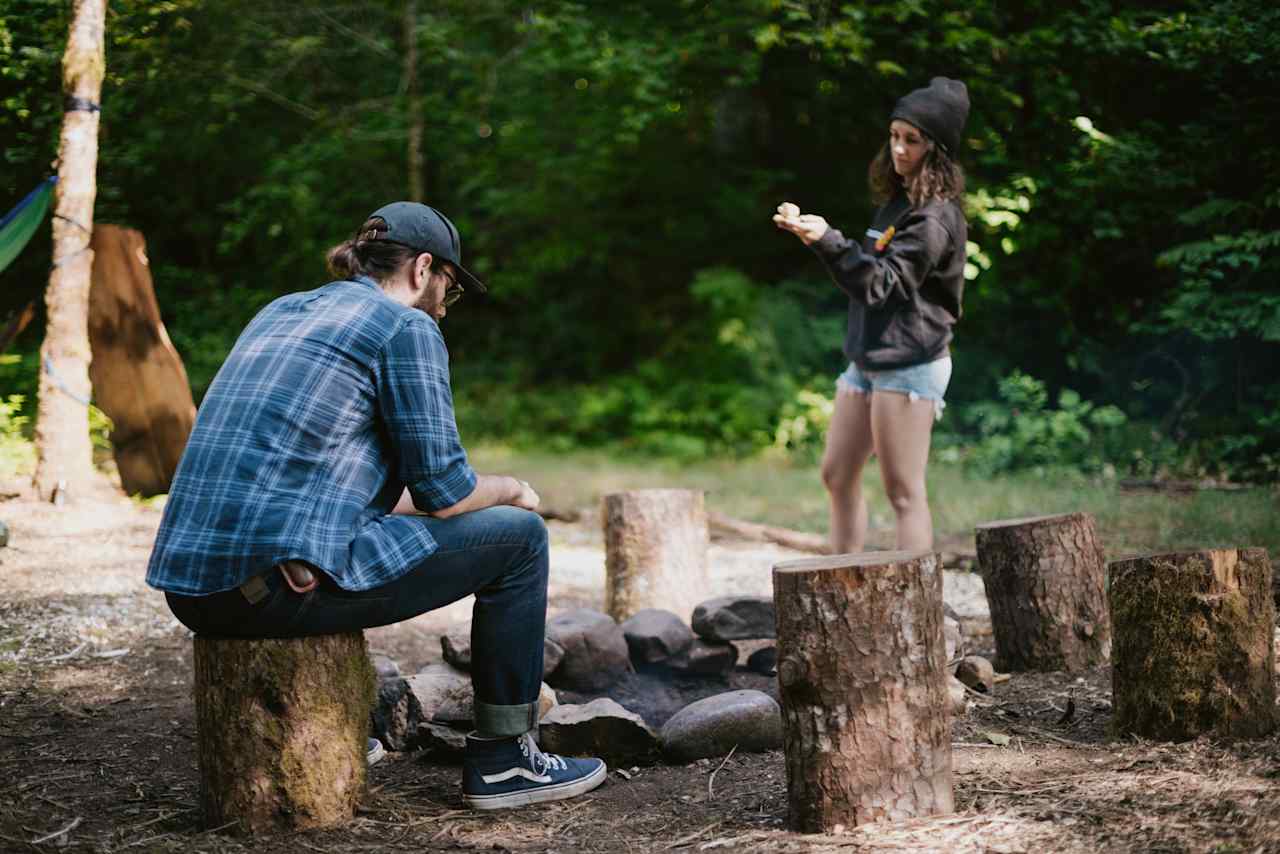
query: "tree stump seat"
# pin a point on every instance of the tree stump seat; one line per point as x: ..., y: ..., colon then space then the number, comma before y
x: 1045, y: 579
x: 281, y: 728
x: 655, y: 551
x: 863, y: 682
x: 1193, y: 645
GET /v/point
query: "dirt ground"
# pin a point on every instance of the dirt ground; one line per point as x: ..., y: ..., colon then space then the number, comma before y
x: 97, y: 749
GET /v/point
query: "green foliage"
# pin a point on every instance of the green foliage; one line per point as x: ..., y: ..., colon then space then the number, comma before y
x: 612, y: 168
x: 17, y: 454
x: 1022, y: 431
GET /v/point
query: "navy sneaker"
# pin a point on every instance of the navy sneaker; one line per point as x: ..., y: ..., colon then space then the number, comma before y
x: 374, y: 751
x: 511, y: 772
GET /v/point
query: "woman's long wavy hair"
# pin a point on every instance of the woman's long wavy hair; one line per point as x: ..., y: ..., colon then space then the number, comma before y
x: 939, y: 177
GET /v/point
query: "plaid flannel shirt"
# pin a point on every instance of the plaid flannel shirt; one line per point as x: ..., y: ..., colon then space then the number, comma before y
x: 330, y: 403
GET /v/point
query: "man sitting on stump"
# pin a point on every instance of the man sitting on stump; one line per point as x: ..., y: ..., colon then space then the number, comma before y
x: 324, y: 489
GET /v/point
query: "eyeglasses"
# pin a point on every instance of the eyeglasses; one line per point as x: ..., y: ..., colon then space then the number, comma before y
x: 453, y: 292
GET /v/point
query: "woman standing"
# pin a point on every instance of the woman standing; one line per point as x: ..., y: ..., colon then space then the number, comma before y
x: 905, y: 280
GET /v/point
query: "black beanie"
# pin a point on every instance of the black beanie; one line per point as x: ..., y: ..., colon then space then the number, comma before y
x: 940, y: 110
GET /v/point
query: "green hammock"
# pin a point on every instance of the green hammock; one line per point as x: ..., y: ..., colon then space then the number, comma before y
x: 21, y: 223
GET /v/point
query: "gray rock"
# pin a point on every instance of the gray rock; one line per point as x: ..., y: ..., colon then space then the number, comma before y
x: 442, y: 739
x: 445, y: 696
x: 384, y: 665
x: 976, y: 672
x: 705, y: 658
x: 396, y: 715
x: 402, y: 717
x: 735, y: 618
x: 443, y: 692
x: 959, y: 702
x: 764, y: 661
x: 456, y: 647
x: 552, y: 655
x: 654, y: 635
x: 953, y: 635
x: 600, y: 728
x: 4, y: 535
x: 595, y: 650
x: 455, y: 644
x: 751, y: 720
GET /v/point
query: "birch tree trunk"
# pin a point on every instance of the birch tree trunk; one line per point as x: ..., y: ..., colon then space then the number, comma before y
x: 64, y: 454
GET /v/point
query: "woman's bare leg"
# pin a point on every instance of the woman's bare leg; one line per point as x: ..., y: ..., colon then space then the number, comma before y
x: 902, y: 428
x: 848, y: 448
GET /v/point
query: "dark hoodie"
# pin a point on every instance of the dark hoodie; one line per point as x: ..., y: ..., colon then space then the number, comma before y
x: 904, y: 292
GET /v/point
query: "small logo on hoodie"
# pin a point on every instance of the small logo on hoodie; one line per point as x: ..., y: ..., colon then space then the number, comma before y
x: 883, y: 240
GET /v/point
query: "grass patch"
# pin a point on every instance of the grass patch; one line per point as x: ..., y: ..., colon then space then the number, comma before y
x: 779, y: 491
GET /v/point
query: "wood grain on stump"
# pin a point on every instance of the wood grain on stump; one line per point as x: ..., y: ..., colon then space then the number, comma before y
x: 1046, y: 586
x: 862, y: 672
x: 1193, y: 644
x: 655, y: 551
x: 280, y: 730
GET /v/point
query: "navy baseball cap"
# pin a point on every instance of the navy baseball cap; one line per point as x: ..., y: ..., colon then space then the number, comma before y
x: 425, y: 229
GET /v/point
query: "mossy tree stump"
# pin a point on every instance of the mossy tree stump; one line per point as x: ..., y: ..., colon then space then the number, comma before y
x: 1193, y: 645
x: 656, y: 544
x: 865, y: 705
x: 1046, y: 584
x: 280, y: 730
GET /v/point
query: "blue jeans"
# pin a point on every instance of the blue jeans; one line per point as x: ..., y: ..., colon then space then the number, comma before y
x: 499, y: 554
x: 928, y: 381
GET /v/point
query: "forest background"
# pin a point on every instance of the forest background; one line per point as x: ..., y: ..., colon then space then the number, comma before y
x: 613, y: 166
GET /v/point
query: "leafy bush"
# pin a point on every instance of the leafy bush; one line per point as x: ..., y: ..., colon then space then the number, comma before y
x: 1021, y: 430
x: 17, y: 454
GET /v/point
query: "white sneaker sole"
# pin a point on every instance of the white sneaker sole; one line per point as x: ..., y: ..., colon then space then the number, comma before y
x: 569, y: 789
x: 373, y: 757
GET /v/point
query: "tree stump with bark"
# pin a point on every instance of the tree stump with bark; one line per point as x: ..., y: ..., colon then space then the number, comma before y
x: 138, y: 377
x: 863, y: 675
x: 1046, y: 584
x: 281, y: 727
x: 656, y: 544
x: 1193, y: 645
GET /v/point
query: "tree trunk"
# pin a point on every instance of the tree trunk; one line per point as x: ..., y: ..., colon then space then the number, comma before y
x: 863, y: 678
x: 280, y: 729
x: 138, y: 378
x: 1045, y: 580
x: 655, y: 551
x: 1193, y: 645
x: 417, y: 184
x: 64, y: 454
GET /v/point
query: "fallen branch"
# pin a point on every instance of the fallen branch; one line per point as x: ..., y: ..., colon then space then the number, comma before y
x: 799, y: 540
x: 553, y: 513
x: 75, y: 822
x: 712, y: 779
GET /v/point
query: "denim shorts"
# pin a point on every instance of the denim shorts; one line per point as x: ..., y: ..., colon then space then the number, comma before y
x: 928, y: 381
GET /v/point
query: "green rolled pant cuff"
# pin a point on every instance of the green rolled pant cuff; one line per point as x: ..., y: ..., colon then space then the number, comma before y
x: 505, y: 720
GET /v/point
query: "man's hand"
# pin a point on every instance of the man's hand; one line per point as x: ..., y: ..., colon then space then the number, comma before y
x: 808, y: 227
x: 527, y: 499
x: 491, y: 491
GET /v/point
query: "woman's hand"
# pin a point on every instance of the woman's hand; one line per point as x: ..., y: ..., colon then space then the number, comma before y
x: 808, y: 227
